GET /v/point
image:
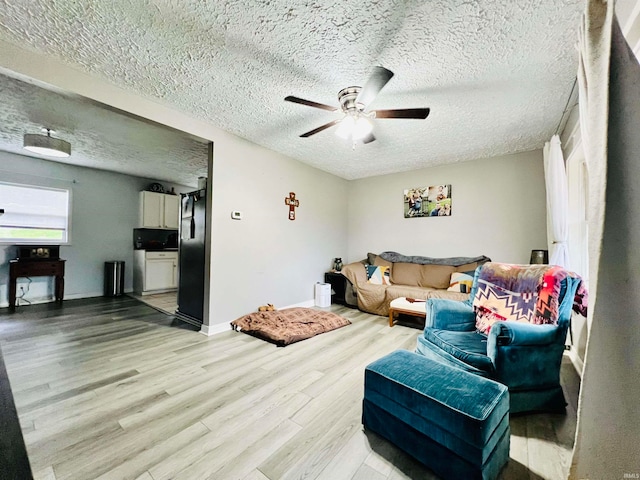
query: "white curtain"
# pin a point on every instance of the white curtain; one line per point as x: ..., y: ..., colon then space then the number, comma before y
x: 555, y: 177
x: 607, y: 433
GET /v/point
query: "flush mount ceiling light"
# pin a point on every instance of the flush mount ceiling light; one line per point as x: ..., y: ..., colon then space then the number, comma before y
x: 46, y: 144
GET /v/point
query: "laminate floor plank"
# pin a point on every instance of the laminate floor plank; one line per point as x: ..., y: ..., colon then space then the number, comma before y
x: 111, y: 388
x: 137, y: 465
x: 222, y: 446
x: 92, y: 459
x: 45, y: 474
x: 312, y: 448
x: 365, y: 472
x: 87, y: 422
x: 242, y: 463
x: 376, y: 347
x: 349, y: 462
x: 255, y: 475
x: 547, y: 458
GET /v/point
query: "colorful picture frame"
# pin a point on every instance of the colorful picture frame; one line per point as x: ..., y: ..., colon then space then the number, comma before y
x: 433, y: 201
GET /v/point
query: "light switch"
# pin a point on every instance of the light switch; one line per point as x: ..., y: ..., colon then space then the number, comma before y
x: 236, y: 215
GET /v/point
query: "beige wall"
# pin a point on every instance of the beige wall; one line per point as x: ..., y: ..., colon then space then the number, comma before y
x: 498, y: 210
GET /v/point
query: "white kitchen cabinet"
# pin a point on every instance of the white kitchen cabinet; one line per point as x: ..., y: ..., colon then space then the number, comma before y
x: 155, y: 272
x: 159, y: 210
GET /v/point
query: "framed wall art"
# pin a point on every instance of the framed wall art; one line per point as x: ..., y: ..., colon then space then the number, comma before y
x: 415, y: 202
x: 439, y: 201
x: 433, y: 201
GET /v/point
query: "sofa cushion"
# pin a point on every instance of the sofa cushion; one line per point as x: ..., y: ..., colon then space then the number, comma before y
x: 469, y: 347
x: 429, y: 276
x: 446, y: 295
x: 467, y: 267
x: 381, y: 262
x: 397, y: 291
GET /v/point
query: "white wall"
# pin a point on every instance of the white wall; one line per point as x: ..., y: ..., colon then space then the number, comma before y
x: 498, y: 210
x: 104, y: 214
x: 265, y: 257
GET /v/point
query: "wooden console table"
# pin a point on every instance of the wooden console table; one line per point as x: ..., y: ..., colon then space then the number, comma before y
x: 35, y: 268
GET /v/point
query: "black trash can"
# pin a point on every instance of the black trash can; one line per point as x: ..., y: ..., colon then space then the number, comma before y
x: 113, y: 278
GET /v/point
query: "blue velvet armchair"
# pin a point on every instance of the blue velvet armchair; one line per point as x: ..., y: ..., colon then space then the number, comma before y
x: 524, y: 357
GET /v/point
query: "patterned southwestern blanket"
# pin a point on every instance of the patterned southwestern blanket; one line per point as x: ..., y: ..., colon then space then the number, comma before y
x: 290, y: 325
x: 523, y: 293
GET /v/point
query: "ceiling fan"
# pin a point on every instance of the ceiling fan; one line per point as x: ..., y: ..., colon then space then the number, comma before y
x: 356, y: 122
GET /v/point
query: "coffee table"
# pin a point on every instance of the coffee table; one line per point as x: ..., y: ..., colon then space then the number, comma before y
x: 402, y: 305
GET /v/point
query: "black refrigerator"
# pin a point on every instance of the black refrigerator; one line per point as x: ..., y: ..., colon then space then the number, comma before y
x: 191, y: 261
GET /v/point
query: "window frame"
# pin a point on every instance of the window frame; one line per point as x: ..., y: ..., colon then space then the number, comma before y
x: 578, y: 191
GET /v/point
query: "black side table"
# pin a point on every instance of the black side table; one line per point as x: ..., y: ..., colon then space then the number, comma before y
x: 338, y: 286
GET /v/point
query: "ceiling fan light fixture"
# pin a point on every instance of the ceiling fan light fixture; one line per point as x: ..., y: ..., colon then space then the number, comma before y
x: 354, y: 127
x: 46, y: 144
x: 361, y: 128
x: 345, y: 128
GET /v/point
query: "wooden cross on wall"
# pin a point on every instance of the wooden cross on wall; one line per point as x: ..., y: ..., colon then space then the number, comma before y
x: 293, y: 203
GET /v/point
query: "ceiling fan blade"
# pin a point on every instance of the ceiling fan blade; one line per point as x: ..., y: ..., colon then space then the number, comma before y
x: 309, y: 103
x: 417, y: 113
x: 378, y: 79
x: 319, y: 129
x: 368, y: 139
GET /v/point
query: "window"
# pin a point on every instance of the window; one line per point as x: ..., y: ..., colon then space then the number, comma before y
x: 33, y: 214
x: 577, y: 179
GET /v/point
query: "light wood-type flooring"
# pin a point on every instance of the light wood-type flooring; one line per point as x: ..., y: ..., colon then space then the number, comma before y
x: 165, y: 302
x: 114, y: 389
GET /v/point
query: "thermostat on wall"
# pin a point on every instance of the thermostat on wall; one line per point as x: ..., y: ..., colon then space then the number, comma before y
x: 236, y: 215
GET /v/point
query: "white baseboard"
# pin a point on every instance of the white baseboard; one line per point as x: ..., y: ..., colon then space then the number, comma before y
x: 70, y: 296
x: 210, y: 330
x: 76, y: 296
x: 306, y: 304
x: 578, y: 363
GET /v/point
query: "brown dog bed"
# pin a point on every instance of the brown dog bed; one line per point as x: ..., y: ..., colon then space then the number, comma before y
x: 290, y: 325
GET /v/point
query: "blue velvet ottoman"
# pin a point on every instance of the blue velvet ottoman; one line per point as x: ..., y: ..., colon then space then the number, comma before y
x: 454, y: 422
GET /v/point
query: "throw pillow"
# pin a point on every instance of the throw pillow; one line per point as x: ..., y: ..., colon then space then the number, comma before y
x: 378, y: 275
x: 460, y: 282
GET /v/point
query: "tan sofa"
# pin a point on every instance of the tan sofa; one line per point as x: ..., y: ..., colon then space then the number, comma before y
x: 413, y: 277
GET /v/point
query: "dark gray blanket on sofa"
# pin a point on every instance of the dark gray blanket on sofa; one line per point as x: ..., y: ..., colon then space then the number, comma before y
x: 453, y: 261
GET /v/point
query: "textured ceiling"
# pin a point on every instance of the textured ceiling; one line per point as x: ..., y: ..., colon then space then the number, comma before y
x: 99, y: 137
x: 495, y: 73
